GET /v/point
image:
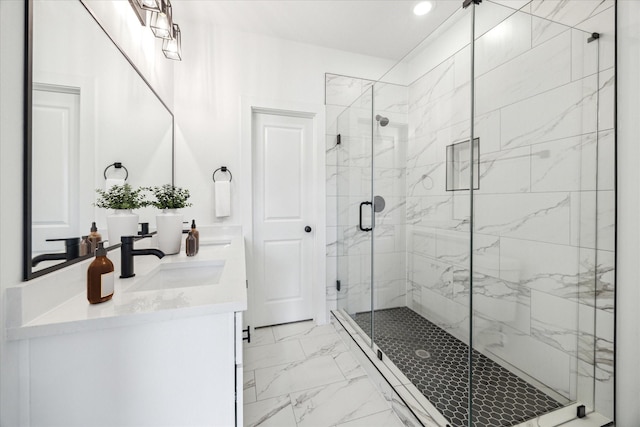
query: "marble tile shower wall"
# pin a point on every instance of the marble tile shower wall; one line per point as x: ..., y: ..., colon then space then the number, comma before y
x: 544, y: 210
x: 349, y: 106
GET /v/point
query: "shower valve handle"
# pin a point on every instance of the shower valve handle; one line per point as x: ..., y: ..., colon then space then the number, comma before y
x: 360, y: 224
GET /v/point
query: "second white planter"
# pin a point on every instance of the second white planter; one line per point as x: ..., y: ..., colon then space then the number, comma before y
x: 169, y: 226
x: 122, y: 222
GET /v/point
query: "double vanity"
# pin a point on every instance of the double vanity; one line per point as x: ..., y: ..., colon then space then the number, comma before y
x: 165, y: 350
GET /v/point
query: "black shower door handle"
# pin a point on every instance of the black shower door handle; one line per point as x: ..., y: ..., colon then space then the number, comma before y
x: 360, y: 224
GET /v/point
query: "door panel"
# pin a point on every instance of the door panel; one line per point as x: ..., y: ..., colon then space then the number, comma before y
x: 283, y: 149
x: 283, y: 250
x: 282, y: 271
x: 55, y: 160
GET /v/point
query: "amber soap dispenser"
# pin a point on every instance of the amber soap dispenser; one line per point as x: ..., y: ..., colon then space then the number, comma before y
x: 94, y: 237
x: 196, y: 234
x: 100, y: 277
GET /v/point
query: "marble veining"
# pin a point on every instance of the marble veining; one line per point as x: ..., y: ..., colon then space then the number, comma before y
x: 363, y: 399
x: 544, y: 29
x: 275, y: 412
x: 516, y: 223
x: 569, y: 13
x: 420, y: 150
x: 432, y: 85
x: 551, y: 115
x: 506, y: 171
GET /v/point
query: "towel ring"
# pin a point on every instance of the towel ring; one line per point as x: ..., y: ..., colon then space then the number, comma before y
x: 222, y: 169
x: 116, y: 165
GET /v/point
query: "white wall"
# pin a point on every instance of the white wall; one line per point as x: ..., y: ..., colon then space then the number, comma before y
x: 138, y: 43
x: 628, y: 244
x: 220, y: 68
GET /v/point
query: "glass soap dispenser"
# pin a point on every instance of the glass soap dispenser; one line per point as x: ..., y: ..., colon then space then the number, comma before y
x: 94, y: 237
x: 190, y: 244
x: 85, y: 246
x: 100, y: 277
x: 196, y: 234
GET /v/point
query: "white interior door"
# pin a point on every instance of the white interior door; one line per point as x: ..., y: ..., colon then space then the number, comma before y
x: 282, y: 243
x: 56, y: 147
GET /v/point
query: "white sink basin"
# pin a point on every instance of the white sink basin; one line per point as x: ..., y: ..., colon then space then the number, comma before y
x: 180, y: 275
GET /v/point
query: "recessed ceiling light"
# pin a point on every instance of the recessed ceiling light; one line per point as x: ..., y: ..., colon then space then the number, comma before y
x: 422, y: 8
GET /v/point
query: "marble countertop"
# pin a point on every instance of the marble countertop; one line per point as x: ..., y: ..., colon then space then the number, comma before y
x: 37, y: 310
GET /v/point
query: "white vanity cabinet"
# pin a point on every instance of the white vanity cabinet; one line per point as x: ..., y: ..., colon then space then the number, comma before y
x: 170, y: 356
x: 178, y: 372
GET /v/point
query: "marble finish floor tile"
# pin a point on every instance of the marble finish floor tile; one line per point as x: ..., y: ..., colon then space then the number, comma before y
x: 265, y: 356
x: 296, y: 376
x: 298, y: 330
x: 320, y: 345
x: 249, y: 387
x: 380, y: 419
x: 261, y: 336
x: 349, y: 365
x: 276, y: 412
x: 337, y: 403
x: 318, y: 374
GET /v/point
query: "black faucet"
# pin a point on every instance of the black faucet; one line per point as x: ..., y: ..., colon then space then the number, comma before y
x: 127, y: 253
x: 71, y: 251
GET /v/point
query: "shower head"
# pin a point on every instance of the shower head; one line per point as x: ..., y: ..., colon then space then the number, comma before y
x: 382, y: 120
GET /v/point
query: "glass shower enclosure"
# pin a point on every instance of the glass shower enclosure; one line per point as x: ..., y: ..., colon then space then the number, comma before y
x: 475, y: 217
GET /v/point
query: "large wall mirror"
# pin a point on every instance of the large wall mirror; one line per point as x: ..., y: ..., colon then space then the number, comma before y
x: 87, y: 107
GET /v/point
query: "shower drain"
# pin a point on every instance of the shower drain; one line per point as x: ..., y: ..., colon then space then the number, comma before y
x: 423, y: 354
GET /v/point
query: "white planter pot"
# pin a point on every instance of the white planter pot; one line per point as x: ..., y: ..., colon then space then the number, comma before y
x: 169, y: 226
x: 122, y: 222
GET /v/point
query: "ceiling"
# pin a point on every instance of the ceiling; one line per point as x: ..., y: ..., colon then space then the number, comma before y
x: 381, y: 28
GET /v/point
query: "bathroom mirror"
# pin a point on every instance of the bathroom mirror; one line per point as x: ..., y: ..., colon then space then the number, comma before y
x: 86, y: 107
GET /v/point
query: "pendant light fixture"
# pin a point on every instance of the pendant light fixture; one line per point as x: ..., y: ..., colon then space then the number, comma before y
x: 152, y: 5
x: 161, y: 25
x: 162, y: 22
x: 172, y: 48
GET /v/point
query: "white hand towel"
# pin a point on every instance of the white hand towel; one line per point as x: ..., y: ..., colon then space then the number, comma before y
x: 223, y: 198
x: 110, y: 182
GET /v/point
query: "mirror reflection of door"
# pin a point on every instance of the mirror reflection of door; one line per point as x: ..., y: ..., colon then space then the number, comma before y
x: 56, y: 155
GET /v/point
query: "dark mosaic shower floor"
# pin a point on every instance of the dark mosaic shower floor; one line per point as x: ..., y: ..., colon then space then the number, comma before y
x: 500, y: 398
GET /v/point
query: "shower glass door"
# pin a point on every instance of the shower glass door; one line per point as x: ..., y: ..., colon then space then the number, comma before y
x: 354, y: 188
